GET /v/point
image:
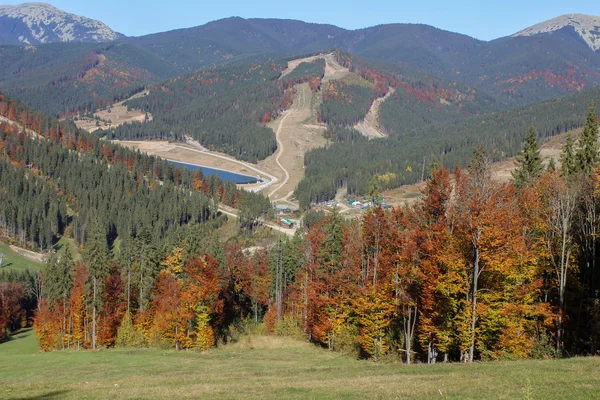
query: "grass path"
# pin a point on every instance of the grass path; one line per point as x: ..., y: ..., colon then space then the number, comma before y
x: 277, y: 368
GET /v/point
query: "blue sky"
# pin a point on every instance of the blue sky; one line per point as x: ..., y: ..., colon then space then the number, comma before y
x: 481, y: 19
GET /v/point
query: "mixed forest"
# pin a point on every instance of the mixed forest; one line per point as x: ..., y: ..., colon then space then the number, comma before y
x: 477, y: 269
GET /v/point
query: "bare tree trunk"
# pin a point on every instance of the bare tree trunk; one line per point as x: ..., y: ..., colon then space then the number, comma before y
x: 94, y: 316
x: 474, y: 304
x: 279, y: 282
x: 129, y: 288
x: 64, y: 323
x: 409, y: 330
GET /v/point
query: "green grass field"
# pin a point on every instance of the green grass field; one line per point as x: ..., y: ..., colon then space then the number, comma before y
x: 14, y: 261
x: 276, y: 368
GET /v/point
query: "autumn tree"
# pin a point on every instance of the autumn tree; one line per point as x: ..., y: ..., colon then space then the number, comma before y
x: 58, y: 278
x: 484, y: 208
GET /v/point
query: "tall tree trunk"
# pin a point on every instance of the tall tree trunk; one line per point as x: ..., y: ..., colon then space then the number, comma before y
x: 409, y: 330
x: 562, y: 283
x: 64, y: 323
x: 474, y: 304
x: 129, y: 288
x: 94, y: 316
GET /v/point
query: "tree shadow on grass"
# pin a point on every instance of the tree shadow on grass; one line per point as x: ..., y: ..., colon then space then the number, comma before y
x: 56, y: 394
x: 20, y: 334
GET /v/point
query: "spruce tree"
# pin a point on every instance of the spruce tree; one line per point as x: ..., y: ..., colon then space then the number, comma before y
x: 96, y: 256
x: 587, y: 156
x: 551, y: 167
x: 529, y: 162
x: 567, y: 158
x: 147, y: 264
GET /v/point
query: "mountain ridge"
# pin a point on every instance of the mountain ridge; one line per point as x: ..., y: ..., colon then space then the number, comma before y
x: 40, y: 23
x: 587, y: 26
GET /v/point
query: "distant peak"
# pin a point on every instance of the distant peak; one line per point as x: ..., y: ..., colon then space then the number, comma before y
x: 588, y: 27
x: 43, y: 23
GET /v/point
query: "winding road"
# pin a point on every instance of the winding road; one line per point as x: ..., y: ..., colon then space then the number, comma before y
x: 280, y: 149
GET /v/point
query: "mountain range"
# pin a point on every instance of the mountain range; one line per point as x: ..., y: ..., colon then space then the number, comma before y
x: 544, y: 61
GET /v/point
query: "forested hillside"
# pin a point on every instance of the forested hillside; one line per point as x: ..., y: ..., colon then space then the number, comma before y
x: 355, y: 162
x: 235, y: 40
x: 67, y: 167
x: 141, y: 253
x: 516, y: 70
x: 475, y: 270
x: 225, y: 109
x: 513, y: 70
x: 61, y: 79
x: 419, y: 99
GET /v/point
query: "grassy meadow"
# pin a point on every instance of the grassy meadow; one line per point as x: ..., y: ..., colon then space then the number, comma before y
x: 15, y: 261
x: 261, y: 367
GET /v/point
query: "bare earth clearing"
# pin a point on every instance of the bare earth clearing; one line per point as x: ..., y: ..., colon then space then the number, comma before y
x: 369, y: 126
x: 186, y: 154
x: 118, y: 115
x: 30, y: 255
x: 333, y: 70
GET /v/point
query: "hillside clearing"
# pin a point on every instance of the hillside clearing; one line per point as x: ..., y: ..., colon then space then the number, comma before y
x: 369, y: 126
x: 114, y: 116
x: 276, y: 368
x: 501, y: 170
x: 292, y: 64
x: 295, y: 133
x: 20, y: 259
x: 550, y: 149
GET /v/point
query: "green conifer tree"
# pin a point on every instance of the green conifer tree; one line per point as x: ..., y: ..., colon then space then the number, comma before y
x: 551, y: 167
x: 529, y: 162
x: 567, y: 158
x: 96, y: 256
x: 587, y: 157
x: 147, y: 265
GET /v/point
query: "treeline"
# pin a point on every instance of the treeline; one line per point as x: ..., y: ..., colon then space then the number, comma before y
x: 477, y: 269
x: 186, y: 292
x: 19, y: 293
x: 404, y: 154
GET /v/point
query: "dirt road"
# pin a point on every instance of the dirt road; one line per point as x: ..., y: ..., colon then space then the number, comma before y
x: 294, y: 139
x: 369, y: 126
